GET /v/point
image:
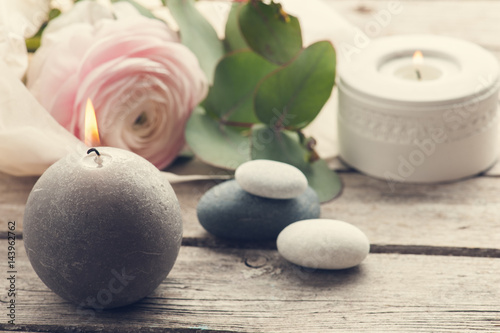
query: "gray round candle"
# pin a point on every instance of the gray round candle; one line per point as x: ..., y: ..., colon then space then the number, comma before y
x: 102, y: 229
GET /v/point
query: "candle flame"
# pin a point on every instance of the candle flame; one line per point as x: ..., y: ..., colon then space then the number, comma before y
x: 418, y: 58
x: 91, y: 131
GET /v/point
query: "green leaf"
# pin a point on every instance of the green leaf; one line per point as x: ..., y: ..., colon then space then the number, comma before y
x: 324, y: 181
x: 53, y: 13
x: 197, y: 34
x: 269, y: 31
x: 141, y: 9
x: 231, y: 96
x: 234, y: 39
x: 298, y: 90
x: 285, y: 146
x: 33, y: 43
x: 216, y: 144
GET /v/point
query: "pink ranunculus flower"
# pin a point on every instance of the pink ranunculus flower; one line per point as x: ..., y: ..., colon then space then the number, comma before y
x: 143, y: 83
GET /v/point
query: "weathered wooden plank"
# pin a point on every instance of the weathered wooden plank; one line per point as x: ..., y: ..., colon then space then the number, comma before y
x: 257, y: 291
x: 459, y: 214
x: 14, y: 192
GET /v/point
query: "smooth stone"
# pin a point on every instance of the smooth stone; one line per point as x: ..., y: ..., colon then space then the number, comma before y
x: 271, y: 179
x: 323, y: 244
x: 227, y: 211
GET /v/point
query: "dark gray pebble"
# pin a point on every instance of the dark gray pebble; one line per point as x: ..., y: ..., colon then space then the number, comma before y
x: 227, y: 211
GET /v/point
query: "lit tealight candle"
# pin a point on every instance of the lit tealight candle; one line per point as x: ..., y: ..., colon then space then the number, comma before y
x: 416, y: 67
x: 102, y: 228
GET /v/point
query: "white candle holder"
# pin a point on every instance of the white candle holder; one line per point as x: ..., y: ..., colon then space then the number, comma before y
x: 441, y: 127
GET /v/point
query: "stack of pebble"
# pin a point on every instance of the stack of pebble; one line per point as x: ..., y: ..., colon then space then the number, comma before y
x: 265, y: 197
x: 270, y: 199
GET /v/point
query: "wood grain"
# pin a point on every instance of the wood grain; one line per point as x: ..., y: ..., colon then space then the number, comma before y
x: 218, y: 290
x: 14, y: 192
x: 460, y: 214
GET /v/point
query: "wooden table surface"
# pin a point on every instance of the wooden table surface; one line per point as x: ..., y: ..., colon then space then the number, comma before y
x: 434, y: 265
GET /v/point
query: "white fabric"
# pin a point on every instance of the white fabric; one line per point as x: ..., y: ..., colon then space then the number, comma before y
x: 18, y: 20
x: 30, y: 139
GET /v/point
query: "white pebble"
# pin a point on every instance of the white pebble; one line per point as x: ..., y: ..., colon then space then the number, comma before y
x: 323, y: 244
x: 271, y: 179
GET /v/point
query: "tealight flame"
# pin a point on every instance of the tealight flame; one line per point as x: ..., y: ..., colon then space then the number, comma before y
x: 91, y: 131
x: 418, y: 58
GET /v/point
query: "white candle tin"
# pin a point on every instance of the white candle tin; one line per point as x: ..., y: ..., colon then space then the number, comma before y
x: 440, y: 128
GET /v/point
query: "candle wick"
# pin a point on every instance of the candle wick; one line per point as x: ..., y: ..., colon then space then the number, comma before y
x: 93, y: 150
x: 419, y: 76
x: 98, y: 158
